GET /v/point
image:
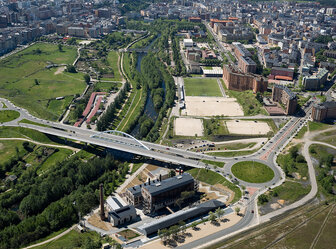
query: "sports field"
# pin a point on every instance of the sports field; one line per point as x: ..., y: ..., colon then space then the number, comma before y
x: 202, y: 87
x: 27, y: 82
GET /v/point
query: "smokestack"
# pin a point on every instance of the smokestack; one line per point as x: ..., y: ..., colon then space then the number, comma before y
x: 148, y: 181
x: 102, y: 211
x: 160, y: 178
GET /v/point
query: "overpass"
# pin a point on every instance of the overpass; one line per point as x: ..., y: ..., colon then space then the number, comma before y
x: 116, y: 142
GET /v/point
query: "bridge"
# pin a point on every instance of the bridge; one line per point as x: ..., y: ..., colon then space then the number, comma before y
x: 118, y: 141
x: 140, y: 50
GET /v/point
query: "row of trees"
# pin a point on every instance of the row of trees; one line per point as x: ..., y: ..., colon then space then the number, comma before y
x: 111, y: 112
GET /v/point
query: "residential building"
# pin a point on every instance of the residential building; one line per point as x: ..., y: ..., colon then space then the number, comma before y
x: 314, y: 82
x: 239, y: 81
x: 285, y: 97
x: 323, y: 111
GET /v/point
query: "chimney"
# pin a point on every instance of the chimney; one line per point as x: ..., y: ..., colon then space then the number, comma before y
x: 148, y: 181
x: 160, y: 178
x: 102, y: 211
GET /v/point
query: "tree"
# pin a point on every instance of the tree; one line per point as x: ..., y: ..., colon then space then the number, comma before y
x: 194, y: 225
x: 87, y: 78
x: 71, y: 69
x: 36, y: 82
x: 60, y: 47
x: 212, y: 217
x: 237, y: 210
x: 219, y: 213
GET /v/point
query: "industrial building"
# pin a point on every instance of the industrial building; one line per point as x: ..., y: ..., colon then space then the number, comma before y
x: 323, y: 111
x: 286, y: 97
x: 119, y: 213
x: 156, y: 194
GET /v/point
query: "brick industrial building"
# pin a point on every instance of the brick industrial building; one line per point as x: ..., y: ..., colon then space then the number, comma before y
x: 286, y: 97
x: 324, y: 111
x: 157, y: 194
x: 239, y: 81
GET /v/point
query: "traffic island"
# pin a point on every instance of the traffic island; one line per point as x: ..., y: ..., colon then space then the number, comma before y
x: 252, y: 172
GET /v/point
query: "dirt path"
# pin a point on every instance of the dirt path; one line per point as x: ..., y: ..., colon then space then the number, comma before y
x: 59, y: 70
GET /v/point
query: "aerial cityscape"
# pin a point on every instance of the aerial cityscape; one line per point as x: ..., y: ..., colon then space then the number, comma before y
x: 160, y: 124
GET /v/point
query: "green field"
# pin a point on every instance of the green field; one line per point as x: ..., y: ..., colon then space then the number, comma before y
x: 112, y: 58
x: 19, y: 132
x: 27, y: 82
x: 8, y: 115
x: 201, y: 87
x: 232, y: 153
x: 253, y: 172
x: 213, y: 178
x: 107, y: 86
x: 9, y: 149
x: 55, y: 158
x: 73, y: 240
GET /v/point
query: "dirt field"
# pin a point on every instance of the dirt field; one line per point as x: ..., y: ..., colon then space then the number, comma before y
x: 212, y: 106
x: 188, y: 127
x: 248, y: 127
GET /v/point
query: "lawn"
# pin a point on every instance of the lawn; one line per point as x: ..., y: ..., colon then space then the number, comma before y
x: 201, y: 87
x: 327, y: 137
x: 73, y: 239
x: 315, y: 126
x: 216, y: 164
x: 112, y: 58
x: 251, y: 106
x: 8, y: 115
x: 55, y: 158
x: 58, y: 106
x: 28, y: 83
x: 253, y: 172
x: 232, y: 153
x: 291, y: 191
x: 213, y: 178
x: 19, y: 132
x: 26, y: 121
x: 9, y: 149
x: 107, y: 86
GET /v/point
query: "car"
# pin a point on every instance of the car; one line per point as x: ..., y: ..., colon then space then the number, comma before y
x: 167, y: 149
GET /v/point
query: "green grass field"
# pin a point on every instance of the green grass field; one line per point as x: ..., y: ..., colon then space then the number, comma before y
x: 254, y: 172
x: 9, y: 149
x: 213, y: 178
x: 201, y: 87
x: 29, y: 84
x: 71, y: 240
x: 8, y: 115
x: 291, y: 191
x: 19, y: 132
x: 112, y: 58
x: 55, y: 158
x: 107, y: 86
x: 232, y: 153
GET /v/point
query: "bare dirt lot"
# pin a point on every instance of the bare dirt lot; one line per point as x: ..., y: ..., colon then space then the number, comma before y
x: 212, y: 106
x: 248, y: 127
x: 188, y: 127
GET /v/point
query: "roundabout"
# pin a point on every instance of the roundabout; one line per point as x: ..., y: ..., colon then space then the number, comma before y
x: 252, y: 172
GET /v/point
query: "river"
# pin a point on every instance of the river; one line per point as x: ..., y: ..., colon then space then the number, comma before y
x: 149, y: 107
